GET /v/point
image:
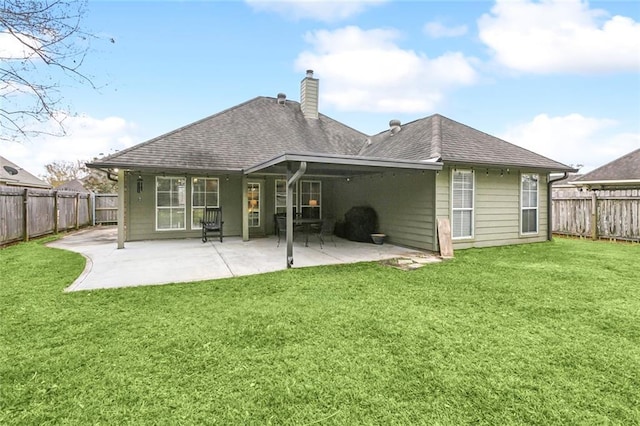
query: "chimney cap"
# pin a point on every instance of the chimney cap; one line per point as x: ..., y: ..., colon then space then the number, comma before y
x: 309, y: 73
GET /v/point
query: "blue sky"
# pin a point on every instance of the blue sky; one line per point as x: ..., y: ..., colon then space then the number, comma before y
x: 561, y: 78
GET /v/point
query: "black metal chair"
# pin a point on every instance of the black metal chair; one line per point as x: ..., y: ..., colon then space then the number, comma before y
x: 212, y: 222
x: 281, y: 227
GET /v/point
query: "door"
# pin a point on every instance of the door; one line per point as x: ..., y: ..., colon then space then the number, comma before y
x: 255, y: 213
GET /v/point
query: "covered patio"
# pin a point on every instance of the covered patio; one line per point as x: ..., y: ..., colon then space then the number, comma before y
x: 187, y: 260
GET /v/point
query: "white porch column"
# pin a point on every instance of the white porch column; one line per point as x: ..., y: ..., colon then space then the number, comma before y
x: 121, y: 204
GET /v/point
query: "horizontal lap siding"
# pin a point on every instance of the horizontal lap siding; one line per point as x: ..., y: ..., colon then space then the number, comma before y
x: 496, y: 209
x: 404, y: 204
x: 141, y: 209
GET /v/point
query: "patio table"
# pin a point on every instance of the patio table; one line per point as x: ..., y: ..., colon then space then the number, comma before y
x: 306, y: 226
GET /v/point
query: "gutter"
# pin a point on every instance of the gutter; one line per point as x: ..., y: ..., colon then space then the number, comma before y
x: 291, y: 184
x: 549, y: 206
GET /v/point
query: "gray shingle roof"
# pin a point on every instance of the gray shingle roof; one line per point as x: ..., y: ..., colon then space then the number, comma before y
x: 12, y: 174
x: 240, y: 137
x: 261, y: 129
x: 626, y: 167
x: 453, y: 142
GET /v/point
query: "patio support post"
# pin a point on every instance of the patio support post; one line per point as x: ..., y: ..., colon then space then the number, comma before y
x: 121, y: 195
x: 292, y: 179
x: 245, y: 212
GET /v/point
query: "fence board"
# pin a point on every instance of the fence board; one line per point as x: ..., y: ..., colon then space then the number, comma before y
x: 618, y: 213
x: 106, y: 208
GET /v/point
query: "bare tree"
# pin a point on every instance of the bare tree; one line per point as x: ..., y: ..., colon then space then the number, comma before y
x: 61, y: 172
x: 42, y: 48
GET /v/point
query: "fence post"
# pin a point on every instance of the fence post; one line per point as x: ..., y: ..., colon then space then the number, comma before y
x: 77, y: 207
x: 56, y: 213
x: 25, y: 214
x: 594, y: 215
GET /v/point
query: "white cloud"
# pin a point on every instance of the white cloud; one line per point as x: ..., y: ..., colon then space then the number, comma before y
x: 86, y: 138
x: 557, y: 36
x: 436, y: 29
x: 15, y: 47
x: 321, y: 10
x: 573, y: 139
x: 365, y: 70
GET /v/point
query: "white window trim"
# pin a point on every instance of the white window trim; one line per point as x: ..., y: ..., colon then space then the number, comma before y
x: 319, y: 206
x: 472, y: 209
x: 198, y: 225
x: 184, y: 208
x: 537, y: 208
x: 297, y: 200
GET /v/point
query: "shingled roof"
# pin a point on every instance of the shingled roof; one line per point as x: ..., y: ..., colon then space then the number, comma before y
x: 240, y: 137
x: 437, y: 136
x: 625, y: 169
x: 263, y: 128
x: 14, y: 175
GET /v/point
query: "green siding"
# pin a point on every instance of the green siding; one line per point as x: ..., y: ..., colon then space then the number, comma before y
x: 404, y: 204
x: 497, y: 208
x: 140, y: 214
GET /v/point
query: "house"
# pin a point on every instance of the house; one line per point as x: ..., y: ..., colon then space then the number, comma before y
x: 271, y: 155
x: 74, y: 185
x: 13, y: 175
x: 621, y: 173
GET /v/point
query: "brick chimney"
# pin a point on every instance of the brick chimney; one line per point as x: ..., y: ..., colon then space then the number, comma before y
x: 309, y: 95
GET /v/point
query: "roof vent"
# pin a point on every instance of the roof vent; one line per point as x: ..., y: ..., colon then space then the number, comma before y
x: 11, y: 170
x: 281, y: 98
x: 394, y: 126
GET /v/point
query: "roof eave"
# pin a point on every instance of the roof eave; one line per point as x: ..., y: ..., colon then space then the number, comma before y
x: 163, y: 169
x: 511, y: 166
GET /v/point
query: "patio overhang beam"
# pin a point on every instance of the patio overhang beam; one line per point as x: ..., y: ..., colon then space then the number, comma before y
x: 339, y: 165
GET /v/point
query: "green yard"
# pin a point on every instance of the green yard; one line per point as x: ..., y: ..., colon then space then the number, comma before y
x: 537, y: 334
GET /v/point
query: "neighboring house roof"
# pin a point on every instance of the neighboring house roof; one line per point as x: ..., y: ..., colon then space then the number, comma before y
x: 437, y: 136
x: 239, y: 137
x: 14, y: 175
x: 623, y: 171
x: 266, y: 132
x: 73, y: 185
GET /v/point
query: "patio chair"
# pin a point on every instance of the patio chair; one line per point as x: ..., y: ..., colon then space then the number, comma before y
x: 327, y: 227
x: 281, y: 227
x: 212, y: 222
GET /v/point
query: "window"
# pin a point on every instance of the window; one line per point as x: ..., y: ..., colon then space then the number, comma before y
x: 529, y: 204
x: 462, y: 188
x: 204, y: 193
x: 170, y: 203
x: 310, y: 200
x: 310, y: 193
x: 281, y: 196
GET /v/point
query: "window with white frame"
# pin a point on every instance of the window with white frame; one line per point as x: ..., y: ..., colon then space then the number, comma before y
x: 281, y: 196
x: 171, y: 203
x: 310, y: 193
x: 205, y: 193
x: 462, y: 200
x: 529, y: 203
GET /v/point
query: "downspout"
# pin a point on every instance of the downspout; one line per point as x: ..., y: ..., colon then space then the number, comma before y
x: 291, y: 183
x: 550, y: 207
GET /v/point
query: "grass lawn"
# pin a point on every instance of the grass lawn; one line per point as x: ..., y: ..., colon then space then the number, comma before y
x: 537, y: 334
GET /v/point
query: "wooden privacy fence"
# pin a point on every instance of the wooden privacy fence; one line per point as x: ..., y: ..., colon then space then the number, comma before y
x: 106, y: 209
x: 27, y: 213
x: 598, y: 214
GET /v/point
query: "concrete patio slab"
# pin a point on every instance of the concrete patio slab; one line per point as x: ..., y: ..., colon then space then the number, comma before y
x: 188, y: 260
